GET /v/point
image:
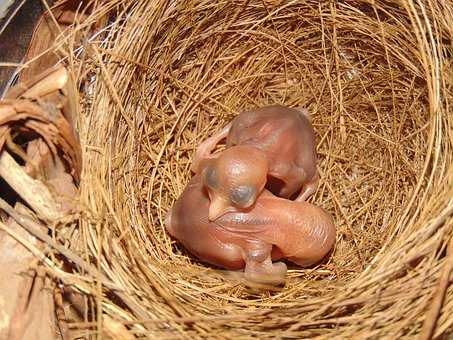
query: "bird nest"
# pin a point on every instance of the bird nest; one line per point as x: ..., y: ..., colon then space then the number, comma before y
x: 162, y: 76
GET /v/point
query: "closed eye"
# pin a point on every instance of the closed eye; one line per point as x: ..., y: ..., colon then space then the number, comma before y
x: 210, y: 176
x: 242, y: 195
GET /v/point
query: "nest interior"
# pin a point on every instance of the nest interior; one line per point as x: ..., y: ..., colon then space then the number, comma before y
x: 164, y: 75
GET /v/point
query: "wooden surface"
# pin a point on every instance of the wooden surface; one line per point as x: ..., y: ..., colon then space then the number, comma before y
x: 16, y: 37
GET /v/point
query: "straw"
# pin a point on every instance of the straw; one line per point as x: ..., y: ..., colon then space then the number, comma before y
x: 376, y: 78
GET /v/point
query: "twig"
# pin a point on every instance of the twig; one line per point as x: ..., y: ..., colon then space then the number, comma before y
x: 182, y: 320
x: 433, y: 314
x: 60, y: 314
x: 34, y: 228
x: 34, y: 192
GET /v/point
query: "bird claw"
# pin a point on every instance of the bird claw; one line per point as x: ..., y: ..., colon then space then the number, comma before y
x: 205, y: 149
x: 273, y: 273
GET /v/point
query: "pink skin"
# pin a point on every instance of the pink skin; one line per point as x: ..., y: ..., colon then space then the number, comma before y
x: 234, y: 179
x: 286, y: 138
x: 272, y: 229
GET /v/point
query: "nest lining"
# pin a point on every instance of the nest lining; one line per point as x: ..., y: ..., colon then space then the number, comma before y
x: 169, y: 74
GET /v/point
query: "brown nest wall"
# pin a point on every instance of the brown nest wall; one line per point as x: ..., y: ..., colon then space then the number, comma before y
x: 376, y: 77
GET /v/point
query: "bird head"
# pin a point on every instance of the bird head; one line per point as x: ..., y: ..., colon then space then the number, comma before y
x: 234, y: 180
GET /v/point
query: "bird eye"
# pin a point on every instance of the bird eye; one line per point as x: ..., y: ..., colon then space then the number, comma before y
x: 242, y: 195
x: 210, y: 177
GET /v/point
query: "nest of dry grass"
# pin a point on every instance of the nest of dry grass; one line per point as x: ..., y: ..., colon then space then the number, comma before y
x: 164, y: 75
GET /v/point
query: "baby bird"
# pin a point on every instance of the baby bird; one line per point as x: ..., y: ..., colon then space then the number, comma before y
x: 234, y: 180
x: 285, y: 139
x: 275, y: 228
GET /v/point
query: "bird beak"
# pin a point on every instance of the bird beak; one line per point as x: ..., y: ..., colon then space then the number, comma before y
x: 251, y: 202
x: 217, y: 208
